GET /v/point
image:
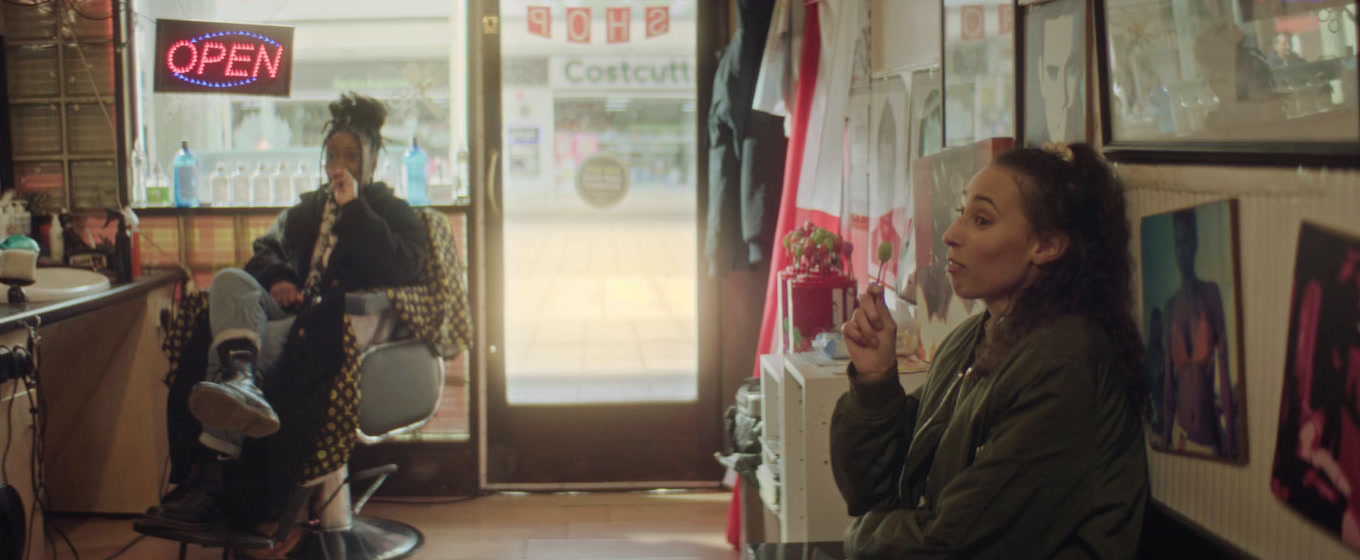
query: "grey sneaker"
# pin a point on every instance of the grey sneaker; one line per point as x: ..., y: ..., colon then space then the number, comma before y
x: 236, y: 404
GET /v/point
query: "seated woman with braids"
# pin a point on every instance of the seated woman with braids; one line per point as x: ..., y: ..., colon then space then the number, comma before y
x: 349, y: 234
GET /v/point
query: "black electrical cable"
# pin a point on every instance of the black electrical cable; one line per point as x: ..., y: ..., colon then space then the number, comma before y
x: 113, y: 10
x: 126, y: 547
x: 9, y: 430
x: 32, y: 466
x: 39, y: 411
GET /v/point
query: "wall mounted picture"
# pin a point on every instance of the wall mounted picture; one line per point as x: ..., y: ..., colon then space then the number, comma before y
x: 979, y: 75
x: 1229, y: 81
x: 857, y: 183
x: 1317, y: 453
x: 889, y: 123
x: 927, y: 112
x: 938, y: 182
x: 960, y: 108
x: 1052, y: 46
x: 926, y: 95
x: 1192, y: 331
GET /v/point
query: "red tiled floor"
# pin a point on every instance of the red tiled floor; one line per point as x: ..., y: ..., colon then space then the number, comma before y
x: 452, y: 416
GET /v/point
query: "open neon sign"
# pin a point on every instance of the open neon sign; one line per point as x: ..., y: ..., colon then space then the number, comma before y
x: 196, y: 56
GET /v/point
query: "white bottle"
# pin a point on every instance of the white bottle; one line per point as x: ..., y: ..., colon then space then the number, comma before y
x: 138, y: 176
x: 460, y: 175
x: 20, y: 222
x: 158, y: 188
x: 282, y: 185
x: 219, y: 187
x: 240, y: 186
x: 302, y: 181
x: 56, y: 242
x: 386, y: 176
x: 262, y: 189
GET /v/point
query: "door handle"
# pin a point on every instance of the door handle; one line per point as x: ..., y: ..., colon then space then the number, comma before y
x: 493, y: 182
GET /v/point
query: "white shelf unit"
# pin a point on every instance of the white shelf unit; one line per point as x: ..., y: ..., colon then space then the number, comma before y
x: 797, y: 399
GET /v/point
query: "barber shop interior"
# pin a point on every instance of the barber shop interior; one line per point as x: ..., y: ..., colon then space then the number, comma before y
x: 679, y: 279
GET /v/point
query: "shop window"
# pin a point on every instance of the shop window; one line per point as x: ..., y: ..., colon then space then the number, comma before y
x: 402, y: 55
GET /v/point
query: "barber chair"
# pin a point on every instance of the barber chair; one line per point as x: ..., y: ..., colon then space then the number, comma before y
x: 400, y: 383
x: 400, y: 378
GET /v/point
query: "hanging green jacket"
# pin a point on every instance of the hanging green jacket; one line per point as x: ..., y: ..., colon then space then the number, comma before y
x: 1043, y: 457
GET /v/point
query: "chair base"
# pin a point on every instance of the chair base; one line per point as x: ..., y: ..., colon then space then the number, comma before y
x: 368, y: 538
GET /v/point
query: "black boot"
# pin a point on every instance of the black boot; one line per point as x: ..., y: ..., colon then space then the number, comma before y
x: 236, y: 403
x: 192, y: 506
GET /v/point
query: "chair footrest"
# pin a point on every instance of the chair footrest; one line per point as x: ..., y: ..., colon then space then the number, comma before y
x: 213, y: 538
x: 381, y: 470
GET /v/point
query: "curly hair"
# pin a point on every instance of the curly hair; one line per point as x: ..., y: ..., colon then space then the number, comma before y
x: 362, y: 115
x: 1094, y: 276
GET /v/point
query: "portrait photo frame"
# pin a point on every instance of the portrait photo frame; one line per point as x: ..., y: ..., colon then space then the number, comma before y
x: 1316, y: 445
x: 1204, y: 85
x: 889, y: 173
x: 1052, y: 93
x: 1192, y: 332
x: 925, y: 87
x: 977, y: 53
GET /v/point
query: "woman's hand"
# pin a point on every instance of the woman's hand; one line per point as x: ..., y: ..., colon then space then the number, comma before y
x: 286, y: 294
x: 343, y: 187
x: 871, y: 336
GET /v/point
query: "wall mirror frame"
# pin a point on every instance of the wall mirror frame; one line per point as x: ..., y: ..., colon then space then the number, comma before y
x: 1258, y: 82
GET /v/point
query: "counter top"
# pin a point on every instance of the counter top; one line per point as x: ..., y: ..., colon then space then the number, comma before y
x: 13, y: 317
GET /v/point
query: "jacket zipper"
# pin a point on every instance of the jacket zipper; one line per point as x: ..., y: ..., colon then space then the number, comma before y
x: 930, y: 420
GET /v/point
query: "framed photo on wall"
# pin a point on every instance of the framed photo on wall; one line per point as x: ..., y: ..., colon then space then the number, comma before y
x: 1052, y: 42
x: 1192, y: 331
x: 979, y: 72
x: 927, y: 111
x: 926, y: 97
x: 937, y: 183
x: 1229, y: 81
x: 889, y: 125
x: 1317, y: 450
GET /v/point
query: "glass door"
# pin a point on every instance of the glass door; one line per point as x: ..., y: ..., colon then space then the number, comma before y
x: 592, y: 260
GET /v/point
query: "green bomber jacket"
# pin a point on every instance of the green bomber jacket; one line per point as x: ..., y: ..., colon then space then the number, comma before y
x: 1042, y: 457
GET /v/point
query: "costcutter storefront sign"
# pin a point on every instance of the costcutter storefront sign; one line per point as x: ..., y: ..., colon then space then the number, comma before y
x: 215, y: 57
x: 622, y: 73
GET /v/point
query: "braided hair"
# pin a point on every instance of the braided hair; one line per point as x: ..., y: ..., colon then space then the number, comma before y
x: 1081, y: 197
x: 358, y: 114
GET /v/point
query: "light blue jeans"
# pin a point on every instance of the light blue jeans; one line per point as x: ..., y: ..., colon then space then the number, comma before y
x: 239, y: 307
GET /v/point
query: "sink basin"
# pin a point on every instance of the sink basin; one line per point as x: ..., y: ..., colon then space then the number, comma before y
x: 61, y: 283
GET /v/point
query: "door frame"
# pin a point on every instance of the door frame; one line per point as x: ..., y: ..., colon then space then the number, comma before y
x: 437, y: 466
x: 484, y: 117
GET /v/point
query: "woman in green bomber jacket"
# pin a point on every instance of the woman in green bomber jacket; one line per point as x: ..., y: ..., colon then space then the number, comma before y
x: 1026, y: 439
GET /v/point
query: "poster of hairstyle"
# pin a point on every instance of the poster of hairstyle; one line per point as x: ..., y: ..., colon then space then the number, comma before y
x: 1192, y: 332
x: 938, y: 182
x: 1317, y: 453
x: 926, y: 130
x: 888, y: 174
x: 1054, y: 73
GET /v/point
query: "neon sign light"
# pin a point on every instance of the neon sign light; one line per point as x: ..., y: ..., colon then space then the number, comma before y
x: 193, y: 56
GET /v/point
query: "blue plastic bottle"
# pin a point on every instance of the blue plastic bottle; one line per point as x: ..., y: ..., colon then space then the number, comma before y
x: 186, y: 178
x: 417, y: 183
